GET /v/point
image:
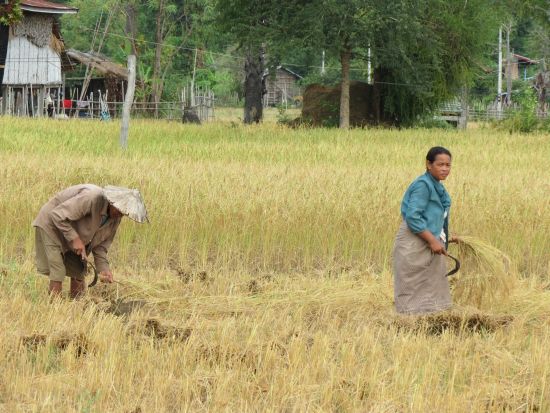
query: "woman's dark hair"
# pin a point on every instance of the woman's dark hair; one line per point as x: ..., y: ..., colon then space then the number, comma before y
x: 437, y: 150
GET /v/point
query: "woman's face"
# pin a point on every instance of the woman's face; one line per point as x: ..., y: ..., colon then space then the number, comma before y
x: 440, y: 167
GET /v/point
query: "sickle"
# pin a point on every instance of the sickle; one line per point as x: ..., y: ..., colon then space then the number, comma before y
x: 456, y: 268
x: 94, y: 281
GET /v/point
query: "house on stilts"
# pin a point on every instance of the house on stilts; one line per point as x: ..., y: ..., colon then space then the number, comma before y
x: 33, y: 59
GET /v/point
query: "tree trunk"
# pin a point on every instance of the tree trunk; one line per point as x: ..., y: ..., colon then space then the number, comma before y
x: 156, y: 91
x: 377, y: 95
x: 542, y: 84
x: 345, y: 57
x: 254, y: 87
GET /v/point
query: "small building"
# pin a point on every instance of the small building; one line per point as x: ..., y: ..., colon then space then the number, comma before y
x: 283, y: 88
x: 32, y: 59
x: 519, y: 63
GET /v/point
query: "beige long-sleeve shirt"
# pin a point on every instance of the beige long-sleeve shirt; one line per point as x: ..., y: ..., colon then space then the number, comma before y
x: 79, y: 211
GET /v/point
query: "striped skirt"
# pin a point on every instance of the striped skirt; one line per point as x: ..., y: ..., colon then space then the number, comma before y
x: 420, y: 284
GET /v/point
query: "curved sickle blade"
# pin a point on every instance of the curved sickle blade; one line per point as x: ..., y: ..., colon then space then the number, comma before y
x: 94, y: 281
x: 456, y: 268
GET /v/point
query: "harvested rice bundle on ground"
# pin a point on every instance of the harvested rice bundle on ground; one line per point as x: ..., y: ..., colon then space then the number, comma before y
x: 457, y: 321
x: 486, y: 275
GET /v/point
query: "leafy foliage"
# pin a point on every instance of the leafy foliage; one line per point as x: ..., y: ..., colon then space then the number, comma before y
x: 422, y: 52
x: 10, y: 13
x: 525, y: 119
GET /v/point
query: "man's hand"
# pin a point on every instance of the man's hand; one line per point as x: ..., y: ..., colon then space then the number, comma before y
x: 79, y: 248
x: 106, y: 276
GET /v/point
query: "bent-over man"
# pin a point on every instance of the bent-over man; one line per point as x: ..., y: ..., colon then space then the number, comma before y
x: 77, y: 221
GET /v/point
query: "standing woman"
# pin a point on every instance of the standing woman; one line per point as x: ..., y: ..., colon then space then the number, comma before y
x: 420, y: 282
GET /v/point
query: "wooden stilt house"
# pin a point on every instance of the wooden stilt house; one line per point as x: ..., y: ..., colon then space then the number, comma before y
x: 33, y: 59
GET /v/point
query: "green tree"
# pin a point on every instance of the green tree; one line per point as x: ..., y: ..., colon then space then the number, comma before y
x: 422, y: 51
x: 249, y: 23
x: 161, y: 33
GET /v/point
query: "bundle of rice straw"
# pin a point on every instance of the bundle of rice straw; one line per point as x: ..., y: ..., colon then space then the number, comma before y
x: 486, y: 274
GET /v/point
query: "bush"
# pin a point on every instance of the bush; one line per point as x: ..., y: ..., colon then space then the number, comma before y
x: 525, y: 120
x: 283, y: 117
x: 428, y: 122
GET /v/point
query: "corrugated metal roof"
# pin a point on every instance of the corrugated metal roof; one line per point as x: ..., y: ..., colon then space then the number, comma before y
x: 286, y: 69
x: 43, y: 6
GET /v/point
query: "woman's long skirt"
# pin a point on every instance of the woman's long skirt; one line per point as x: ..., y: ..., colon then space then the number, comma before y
x: 420, y: 284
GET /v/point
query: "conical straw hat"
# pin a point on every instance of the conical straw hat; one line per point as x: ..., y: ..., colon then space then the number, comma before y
x: 127, y: 201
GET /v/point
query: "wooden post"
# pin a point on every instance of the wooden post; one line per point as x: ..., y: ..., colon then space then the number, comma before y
x: 193, y: 80
x: 10, y: 101
x: 345, y: 58
x: 41, y: 95
x: 128, y: 100
x: 508, y: 67
x: 2, y: 100
x: 25, y: 102
x: 499, y: 79
x: 32, y: 102
x: 63, y: 79
x: 182, y: 104
x: 463, y: 118
x: 213, y: 106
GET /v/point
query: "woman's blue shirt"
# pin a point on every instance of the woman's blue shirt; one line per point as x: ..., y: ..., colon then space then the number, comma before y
x: 426, y: 205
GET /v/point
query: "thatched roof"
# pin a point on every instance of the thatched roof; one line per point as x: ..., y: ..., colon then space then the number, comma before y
x: 99, y: 62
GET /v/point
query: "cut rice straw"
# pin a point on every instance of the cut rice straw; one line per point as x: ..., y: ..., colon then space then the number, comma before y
x: 487, y: 273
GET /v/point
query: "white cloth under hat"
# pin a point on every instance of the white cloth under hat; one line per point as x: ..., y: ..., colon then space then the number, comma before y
x: 128, y: 201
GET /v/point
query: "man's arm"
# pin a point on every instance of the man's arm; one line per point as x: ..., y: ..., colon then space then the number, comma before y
x: 100, y: 257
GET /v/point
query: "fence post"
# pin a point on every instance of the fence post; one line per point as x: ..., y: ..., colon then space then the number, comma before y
x: 128, y: 100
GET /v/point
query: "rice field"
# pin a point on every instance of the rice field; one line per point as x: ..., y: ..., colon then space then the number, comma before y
x: 263, y: 282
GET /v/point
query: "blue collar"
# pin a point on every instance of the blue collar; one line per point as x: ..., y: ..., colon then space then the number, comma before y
x: 440, y: 190
x: 104, y: 219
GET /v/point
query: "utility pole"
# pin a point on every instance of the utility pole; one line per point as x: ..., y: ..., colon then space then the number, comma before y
x: 508, y: 67
x: 323, y: 64
x: 499, y: 74
x: 369, y: 67
x: 128, y: 101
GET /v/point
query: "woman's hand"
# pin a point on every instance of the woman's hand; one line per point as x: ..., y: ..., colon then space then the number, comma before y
x: 437, y: 247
